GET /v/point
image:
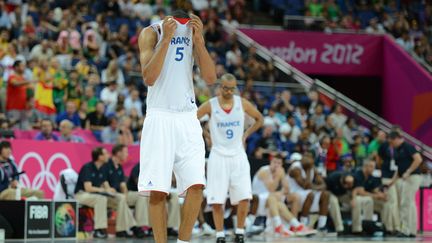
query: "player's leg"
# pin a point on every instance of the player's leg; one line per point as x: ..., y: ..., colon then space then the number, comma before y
x: 323, y: 209
x: 218, y: 216
x: 158, y: 215
x: 294, y: 203
x: 157, y: 155
x: 307, y: 204
x: 190, y: 211
x: 218, y: 169
x: 240, y: 188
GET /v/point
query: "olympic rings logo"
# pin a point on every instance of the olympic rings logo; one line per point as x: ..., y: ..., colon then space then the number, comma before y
x: 45, y: 173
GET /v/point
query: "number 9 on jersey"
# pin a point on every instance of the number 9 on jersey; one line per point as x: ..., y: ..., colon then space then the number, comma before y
x: 229, y: 133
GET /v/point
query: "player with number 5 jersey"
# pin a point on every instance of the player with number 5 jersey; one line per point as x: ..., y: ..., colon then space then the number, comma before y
x: 171, y: 139
x: 228, y: 170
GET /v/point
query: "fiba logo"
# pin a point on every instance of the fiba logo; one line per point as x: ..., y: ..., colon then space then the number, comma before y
x: 44, y: 170
x: 38, y: 212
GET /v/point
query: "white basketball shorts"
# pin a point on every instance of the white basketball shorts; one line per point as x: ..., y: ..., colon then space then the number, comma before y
x: 228, y: 175
x: 303, y: 195
x: 171, y: 142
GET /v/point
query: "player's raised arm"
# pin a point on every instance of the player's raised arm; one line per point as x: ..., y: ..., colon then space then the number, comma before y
x: 255, y: 114
x: 201, y: 55
x: 151, y: 59
x: 204, y: 109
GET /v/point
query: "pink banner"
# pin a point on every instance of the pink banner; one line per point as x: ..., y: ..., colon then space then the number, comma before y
x: 427, y: 210
x: 42, y: 161
x: 324, y: 54
x: 407, y: 92
x: 407, y: 87
x: 86, y: 135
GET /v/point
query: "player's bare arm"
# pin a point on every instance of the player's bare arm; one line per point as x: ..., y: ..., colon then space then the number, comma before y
x: 255, y: 114
x: 296, y: 174
x: 319, y: 182
x: 270, y: 181
x: 204, y: 109
x: 152, y: 59
x: 201, y: 55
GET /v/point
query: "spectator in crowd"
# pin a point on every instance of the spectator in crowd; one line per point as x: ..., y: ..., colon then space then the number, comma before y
x: 70, y: 114
x: 42, y: 50
x: 117, y: 180
x: 93, y: 190
x: 337, y: 116
x: 44, y: 99
x: 318, y: 116
x: 133, y: 101
x: 125, y: 133
x: 113, y: 73
x: 110, y: 134
x: 375, y: 145
x: 295, y: 129
x: 304, y: 180
x: 408, y: 160
x: 66, y: 128
x: 90, y: 98
x: 109, y: 96
x: 9, y: 177
x: 367, y: 196
x: 16, y: 96
x: 97, y: 121
x: 46, y: 133
x: 339, y: 184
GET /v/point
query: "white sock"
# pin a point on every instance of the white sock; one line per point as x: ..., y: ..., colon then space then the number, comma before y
x: 294, y: 222
x: 277, y: 221
x: 252, y: 218
x: 304, y: 220
x: 220, y: 234
x: 322, y: 221
x: 239, y: 231
x: 181, y: 241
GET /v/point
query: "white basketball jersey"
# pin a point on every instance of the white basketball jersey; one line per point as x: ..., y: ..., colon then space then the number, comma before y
x: 173, y: 89
x: 258, y: 186
x: 226, y: 129
x: 294, y: 186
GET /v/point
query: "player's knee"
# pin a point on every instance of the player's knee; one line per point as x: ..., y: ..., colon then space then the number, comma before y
x: 195, y: 189
x: 157, y: 197
x: 325, y: 195
x: 217, y: 207
x: 310, y: 197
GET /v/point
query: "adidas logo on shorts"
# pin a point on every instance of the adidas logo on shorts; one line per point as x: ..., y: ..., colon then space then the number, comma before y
x: 150, y: 183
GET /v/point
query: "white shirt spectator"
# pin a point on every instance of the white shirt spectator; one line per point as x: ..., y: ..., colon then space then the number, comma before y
x: 143, y: 9
x: 295, y: 133
x: 39, y: 52
x: 109, y: 97
x: 233, y: 57
x: 133, y: 101
x: 199, y: 5
x: 407, y: 44
x: 338, y: 119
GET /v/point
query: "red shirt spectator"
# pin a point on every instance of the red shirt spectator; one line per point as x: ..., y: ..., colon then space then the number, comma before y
x: 16, y: 97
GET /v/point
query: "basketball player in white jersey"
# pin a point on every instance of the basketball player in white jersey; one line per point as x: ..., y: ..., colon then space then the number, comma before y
x: 228, y: 166
x: 172, y: 136
x: 272, y: 188
x: 305, y: 181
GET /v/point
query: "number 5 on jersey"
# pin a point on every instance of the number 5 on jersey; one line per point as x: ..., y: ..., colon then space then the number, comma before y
x: 179, y: 54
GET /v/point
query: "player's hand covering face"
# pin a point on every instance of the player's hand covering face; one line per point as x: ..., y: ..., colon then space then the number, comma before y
x: 169, y: 26
x: 197, y: 26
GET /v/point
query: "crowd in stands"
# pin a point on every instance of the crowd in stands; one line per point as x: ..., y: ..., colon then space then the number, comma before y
x: 408, y: 21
